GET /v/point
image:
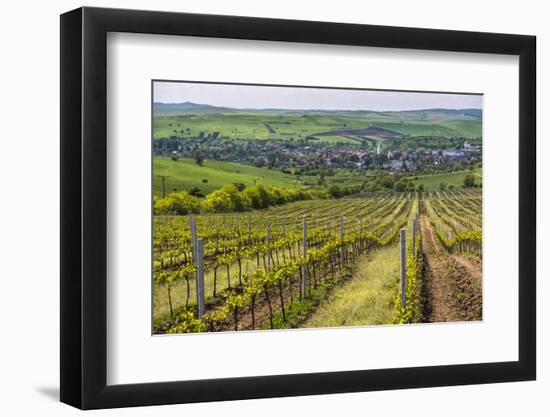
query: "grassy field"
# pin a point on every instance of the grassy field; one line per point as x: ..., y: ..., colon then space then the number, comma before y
x: 432, y: 181
x: 447, y: 128
x: 185, y: 174
x: 349, y: 178
x: 260, y: 125
x: 368, y: 298
x: 238, y: 126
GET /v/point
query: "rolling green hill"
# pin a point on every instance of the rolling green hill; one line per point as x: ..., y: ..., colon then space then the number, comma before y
x: 185, y: 174
x: 191, y: 120
x: 431, y: 181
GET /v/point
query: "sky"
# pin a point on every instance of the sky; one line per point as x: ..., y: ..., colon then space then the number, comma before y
x: 261, y: 97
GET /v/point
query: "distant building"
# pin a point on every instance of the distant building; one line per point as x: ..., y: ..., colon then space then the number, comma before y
x: 394, y: 165
x: 453, y: 154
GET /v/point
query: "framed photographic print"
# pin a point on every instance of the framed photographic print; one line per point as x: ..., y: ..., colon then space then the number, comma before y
x: 257, y: 208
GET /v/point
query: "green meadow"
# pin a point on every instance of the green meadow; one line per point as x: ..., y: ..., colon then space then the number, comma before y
x: 185, y: 174
x: 456, y: 179
x: 263, y: 126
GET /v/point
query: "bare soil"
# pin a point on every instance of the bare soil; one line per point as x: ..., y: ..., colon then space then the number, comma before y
x: 269, y: 128
x: 452, y: 283
x: 368, y: 131
x: 261, y: 307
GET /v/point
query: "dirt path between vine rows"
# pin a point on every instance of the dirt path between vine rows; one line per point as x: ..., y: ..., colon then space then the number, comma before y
x: 452, y: 283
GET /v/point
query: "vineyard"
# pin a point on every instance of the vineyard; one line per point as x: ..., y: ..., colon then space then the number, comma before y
x: 274, y: 268
x: 457, y: 219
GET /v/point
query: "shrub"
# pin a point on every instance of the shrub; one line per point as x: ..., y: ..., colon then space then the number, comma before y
x: 469, y: 181
x: 399, y: 186
x: 335, y: 191
x: 181, y: 203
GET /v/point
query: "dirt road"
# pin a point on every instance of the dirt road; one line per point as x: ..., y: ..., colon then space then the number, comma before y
x: 452, y: 283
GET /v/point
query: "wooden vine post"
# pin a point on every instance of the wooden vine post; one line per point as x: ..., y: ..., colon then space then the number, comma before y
x: 342, y: 232
x: 360, y: 234
x: 415, y: 229
x: 193, y: 226
x: 267, y: 237
x: 200, y: 277
x: 304, y: 272
x: 403, y: 247
x: 249, y: 227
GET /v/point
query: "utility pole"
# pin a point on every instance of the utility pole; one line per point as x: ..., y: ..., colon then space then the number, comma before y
x: 163, y: 178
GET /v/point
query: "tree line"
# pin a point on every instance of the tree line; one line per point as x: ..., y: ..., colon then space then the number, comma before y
x: 237, y: 198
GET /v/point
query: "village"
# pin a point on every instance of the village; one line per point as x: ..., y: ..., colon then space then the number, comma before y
x: 431, y: 154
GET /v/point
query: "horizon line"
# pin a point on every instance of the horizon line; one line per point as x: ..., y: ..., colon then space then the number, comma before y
x: 313, y: 109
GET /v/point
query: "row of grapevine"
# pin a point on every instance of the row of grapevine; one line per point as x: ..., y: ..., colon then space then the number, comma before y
x: 456, y: 217
x: 276, y: 254
x: 262, y: 266
x: 411, y: 311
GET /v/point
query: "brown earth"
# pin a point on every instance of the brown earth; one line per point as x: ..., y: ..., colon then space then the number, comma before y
x: 452, y: 283
x: 367, y: 131
x: 269, y: 128
x: 261, y: 307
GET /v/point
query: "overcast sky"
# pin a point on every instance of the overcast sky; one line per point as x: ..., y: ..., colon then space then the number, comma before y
x: 252, y: 96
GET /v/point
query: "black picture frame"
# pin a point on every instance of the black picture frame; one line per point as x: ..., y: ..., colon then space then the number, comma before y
x: 84, y: 207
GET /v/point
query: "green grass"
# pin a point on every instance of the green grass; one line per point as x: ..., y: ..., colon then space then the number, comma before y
x: 240, y: 125
x: 369, y: 297
x: 432, y: 181
x: 346, y: 178
x: 185, y: 174
x: 366, y: 299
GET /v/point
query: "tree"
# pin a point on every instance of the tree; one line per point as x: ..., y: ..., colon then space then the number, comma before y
x: 196, y: 192
x: 469, y: 181
x: 321, y: 180
x: 420, y: 187
x: 259, y: 161
x: 198, y: 156
x: 180, y: 203
x: 442, y: 186
x: 386, y: 181
x: 218, y: 201
x: 399, y: 186
x: 370, y: 186
x: 335, y: 191
x: 240, y: 186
